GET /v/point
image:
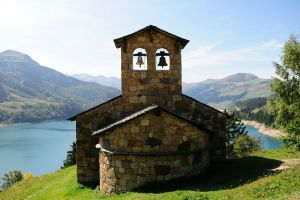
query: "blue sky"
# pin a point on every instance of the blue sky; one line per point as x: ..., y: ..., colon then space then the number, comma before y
x: 76, y: 36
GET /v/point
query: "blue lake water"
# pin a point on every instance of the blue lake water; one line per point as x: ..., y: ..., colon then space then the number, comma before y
x: 41, y: 148
x: 268, y: 142
x: 37, y: 148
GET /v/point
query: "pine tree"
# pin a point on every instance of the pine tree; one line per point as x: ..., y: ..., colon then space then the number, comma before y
x: 71, y: 157
x: 234, y: 129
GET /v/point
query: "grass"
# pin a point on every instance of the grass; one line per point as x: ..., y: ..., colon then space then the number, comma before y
x: 283, y: 153
x: 244, y: 178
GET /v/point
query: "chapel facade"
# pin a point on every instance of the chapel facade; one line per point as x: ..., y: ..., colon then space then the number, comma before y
x: 151, y: 132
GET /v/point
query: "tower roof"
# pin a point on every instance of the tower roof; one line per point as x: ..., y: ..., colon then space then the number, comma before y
x: 151, y: 28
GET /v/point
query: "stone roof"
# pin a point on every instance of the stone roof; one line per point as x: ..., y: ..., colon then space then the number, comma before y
x: 142, y: 112
x: 93, y: 108
x: 98, y: 106
x: 208, y: 106
x: 182, y: 41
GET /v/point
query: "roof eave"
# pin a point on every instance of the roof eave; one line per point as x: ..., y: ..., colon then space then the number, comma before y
x: 73, y: 118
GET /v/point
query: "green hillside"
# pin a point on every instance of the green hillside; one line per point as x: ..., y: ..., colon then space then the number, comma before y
x: 253, y: 109
x: 222, y: 92
x: 31, y: 92
x: 245, y: 178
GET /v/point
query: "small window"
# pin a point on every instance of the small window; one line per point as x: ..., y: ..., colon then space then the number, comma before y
x: 162, y: 59
x: 139, y: 59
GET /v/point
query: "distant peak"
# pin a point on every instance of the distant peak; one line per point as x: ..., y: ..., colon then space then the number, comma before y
x: 15, y: 56
x: 10, y: 52
x: 241, y: 77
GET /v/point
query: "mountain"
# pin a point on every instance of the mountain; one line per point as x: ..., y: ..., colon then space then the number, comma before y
x: 31, y: 92
x: 222, y: 92
x: 102, y: 80
x: 215, y: 92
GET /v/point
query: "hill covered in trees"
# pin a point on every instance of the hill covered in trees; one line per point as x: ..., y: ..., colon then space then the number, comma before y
x: 253, y: 109
x: 223, y: 92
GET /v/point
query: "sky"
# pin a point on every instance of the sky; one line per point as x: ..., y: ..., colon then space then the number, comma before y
x: 76, y: 36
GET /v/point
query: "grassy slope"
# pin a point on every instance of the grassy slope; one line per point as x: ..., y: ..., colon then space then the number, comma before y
x: 235, y: 179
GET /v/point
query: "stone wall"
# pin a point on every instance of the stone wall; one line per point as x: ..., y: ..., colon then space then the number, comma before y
x: 87, y: 156
x: 152, y: 147
x: 151, y: 85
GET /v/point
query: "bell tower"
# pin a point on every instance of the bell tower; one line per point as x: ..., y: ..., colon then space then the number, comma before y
x: 151, y: 67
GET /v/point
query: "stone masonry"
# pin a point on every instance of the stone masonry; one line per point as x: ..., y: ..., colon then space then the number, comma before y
x: 152, y: 147
x: 141, y: 89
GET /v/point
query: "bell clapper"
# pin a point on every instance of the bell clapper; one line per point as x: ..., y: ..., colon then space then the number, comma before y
x: 139, y: 60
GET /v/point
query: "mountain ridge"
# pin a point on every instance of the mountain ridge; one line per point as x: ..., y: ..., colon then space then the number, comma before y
x: 100, y: 79
x: 32, y: 92
x: 15, y: 56
x: 215, y: 92
x: 233, y: 88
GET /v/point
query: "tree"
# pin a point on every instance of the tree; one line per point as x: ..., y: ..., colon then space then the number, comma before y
x: 286, y: 104
x: 245, y: 145
x: 10, y: 178
x: 71, y: 157
x: 234, y: 128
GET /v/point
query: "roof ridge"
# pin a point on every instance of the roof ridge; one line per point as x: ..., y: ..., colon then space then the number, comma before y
x: 118, y: 41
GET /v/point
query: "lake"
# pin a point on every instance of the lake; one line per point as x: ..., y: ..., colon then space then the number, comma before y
x: 268, y: 141
x: 37, y: 148
x: 41, y: 148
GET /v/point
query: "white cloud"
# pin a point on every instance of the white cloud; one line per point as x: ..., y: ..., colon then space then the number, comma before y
x: 271, y: 45
x: 207, y: 61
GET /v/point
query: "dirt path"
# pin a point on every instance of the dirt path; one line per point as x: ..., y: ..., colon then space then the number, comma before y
x: 287, y: 164
x: 291, y: 162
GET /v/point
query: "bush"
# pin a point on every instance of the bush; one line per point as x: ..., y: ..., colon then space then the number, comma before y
x: 245, y: 145
x: 10, y: 178
x: 292, y: 141
x: 27, y: 176
x: 71, y: 157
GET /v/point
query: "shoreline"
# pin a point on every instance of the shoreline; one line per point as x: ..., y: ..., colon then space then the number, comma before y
x: 276, y: 133
x: 2, y: 125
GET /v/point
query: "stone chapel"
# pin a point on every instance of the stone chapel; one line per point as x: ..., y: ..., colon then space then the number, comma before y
x: 151, y: 132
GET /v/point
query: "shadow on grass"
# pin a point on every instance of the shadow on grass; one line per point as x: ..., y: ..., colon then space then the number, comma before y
x: 228, y: 174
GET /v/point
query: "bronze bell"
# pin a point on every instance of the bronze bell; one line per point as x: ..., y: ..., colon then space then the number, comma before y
x: 162, y: 62
x: 140, y: 61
